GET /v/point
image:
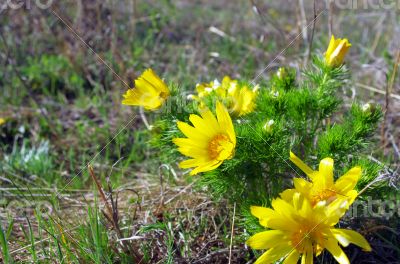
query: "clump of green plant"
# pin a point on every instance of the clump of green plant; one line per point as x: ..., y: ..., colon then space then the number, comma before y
x: 52, y: 73
x: 250, y: 151
x: 287, y: 114
x: 29, y: 160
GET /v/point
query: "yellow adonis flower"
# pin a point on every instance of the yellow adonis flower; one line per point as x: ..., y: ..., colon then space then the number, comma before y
x: 219, y: 89
x: 322, y: 186
x: 299, y: 230
x: 2, y: 121
x: 150, y: 91
x: 336, y: 51
x: 240, y: 100
x: 209, y: 141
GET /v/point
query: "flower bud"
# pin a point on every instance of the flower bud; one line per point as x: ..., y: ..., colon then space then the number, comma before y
x: 368, y: 108
x: 336, y: 51
x: 268, y: 126
x: 281, y: 73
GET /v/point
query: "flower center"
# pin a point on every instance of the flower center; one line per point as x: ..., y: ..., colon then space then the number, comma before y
x: 220, y: 147
x: 327, y: 195
x: 163, y: 95
x: 307, y: 239
x: 299, y: 240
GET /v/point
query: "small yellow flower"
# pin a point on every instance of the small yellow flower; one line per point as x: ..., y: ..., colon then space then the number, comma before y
x: 209, y: 141
x: 240, y: 100
x: 219, y: 89
x: 299, y: 230
x: 322, y: 186
x: 2, y: 121
x: 150, y: 91
x: 336, y: 51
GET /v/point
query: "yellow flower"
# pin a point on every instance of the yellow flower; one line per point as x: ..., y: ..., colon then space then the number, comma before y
x: 322, y: 186
x: 300, y: 230
x: 219, y: 89
x: 2, y: 121
x: 209, y: 141
x: 150, y: 91
x: 240, y: 100
x: 336, y: 51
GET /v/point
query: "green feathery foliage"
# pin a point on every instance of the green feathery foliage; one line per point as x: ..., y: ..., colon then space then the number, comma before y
x: 304, y: 115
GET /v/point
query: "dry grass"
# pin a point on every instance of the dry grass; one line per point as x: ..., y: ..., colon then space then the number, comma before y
x: 189, y: 41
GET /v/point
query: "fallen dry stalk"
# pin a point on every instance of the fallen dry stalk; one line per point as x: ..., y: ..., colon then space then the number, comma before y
x: 389, y: 89
x: 112, y: 217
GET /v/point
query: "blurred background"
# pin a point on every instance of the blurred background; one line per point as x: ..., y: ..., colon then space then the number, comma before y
x: 64, y: 66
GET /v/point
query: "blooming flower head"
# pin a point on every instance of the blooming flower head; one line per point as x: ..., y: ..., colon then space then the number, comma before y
x: 240, y: 100
x: 336, y: 51
x: 300, y: 230
x: 2, y: 121
x: 150, y: 91
x: 209, y: 142
x: 322, y: 186
x: 220, y: 89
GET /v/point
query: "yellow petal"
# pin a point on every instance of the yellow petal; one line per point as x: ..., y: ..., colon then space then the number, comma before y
x: 302, y: 185
x: 266, y: 239
x: 306, y: 210
x: 345, y: 237
x: 336, y: 51
x: 191, y: 132
x: 194, y: 152
x: 301, y: 165
x: 183, y: 142
x: 331, y: 48
x: 349, y: 180
x: 326, y: 172
x: 203, y: 127
x: 211, y: 121
x: 292, y: 258
x: 351, y: 196
x: 151, y: 77
x: 283, y: 208
x: 336, y: 251
x: 287, y: 195
x: 225, y: 121
x: 336, y: 209
x: 308, y: 256
x: 263, y: 214
x: 190, y: 163
x: 209, y: 166
x: 145, y: 88
x: 273, y: 254
x: 281, y: 223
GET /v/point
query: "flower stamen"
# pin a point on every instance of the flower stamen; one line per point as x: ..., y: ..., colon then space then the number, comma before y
x: 219, y: 147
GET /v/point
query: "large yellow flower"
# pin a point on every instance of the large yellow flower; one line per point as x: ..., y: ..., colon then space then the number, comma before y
x: 209, y: 141
x: 239, y: 99
x: 300, y: 230
x: 322, y: 186
x: 336, y: 51
x: 150, y: 91
x: 2, y: 121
